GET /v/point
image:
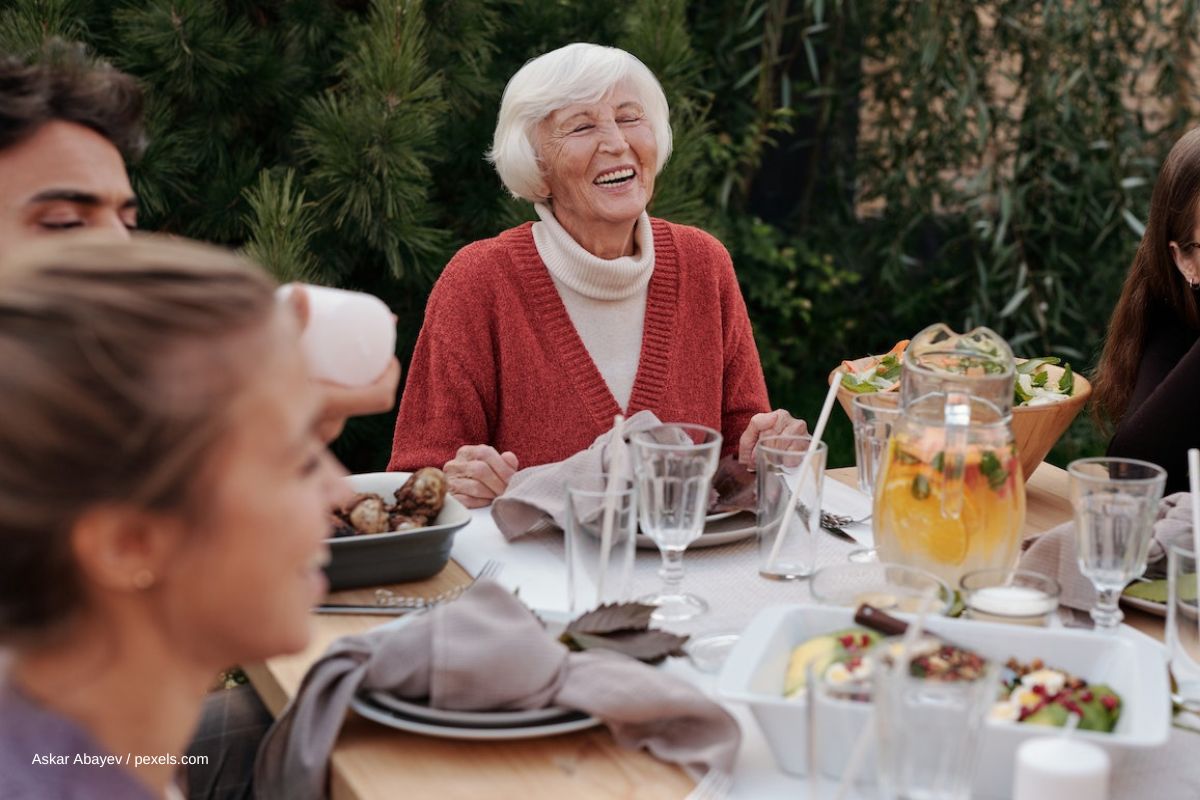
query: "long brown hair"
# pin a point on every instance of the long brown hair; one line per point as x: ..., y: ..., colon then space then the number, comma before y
x: 1153, y: 283
x: 105, y: 400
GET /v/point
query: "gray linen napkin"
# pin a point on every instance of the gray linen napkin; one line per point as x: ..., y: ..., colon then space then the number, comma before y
x: 1055, y: 552
x: 487, y: 651
x: 536, y: 498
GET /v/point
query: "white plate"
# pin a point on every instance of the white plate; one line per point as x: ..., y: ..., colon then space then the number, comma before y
x: 468, y: 719
x: 1149, y: 606
x: 401, y: 722
x: 725, y: 528
x: 386, y: 702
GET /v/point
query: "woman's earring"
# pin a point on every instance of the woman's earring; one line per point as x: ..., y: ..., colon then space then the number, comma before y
x: 142, y: 579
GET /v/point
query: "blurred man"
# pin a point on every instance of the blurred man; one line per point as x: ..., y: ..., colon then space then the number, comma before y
x: 67, y: 126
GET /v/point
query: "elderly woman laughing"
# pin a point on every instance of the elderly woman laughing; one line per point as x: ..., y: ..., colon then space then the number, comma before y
x: 534, y: 340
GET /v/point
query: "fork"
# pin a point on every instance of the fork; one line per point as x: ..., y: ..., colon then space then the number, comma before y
x: 713, y: 786
x: 388, y: 603
x: 831, y: 520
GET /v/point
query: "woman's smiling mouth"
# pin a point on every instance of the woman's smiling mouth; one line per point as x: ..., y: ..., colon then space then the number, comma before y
x: 615, y: 177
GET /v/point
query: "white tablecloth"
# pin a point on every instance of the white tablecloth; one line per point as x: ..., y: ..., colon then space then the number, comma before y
x: 727, y: 577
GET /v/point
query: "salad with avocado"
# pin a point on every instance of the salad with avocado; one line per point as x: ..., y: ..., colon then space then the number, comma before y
x: 1034, y: 385
x: 1030, y: 693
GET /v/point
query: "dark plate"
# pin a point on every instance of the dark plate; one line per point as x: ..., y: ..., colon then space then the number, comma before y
x: 381, y: 558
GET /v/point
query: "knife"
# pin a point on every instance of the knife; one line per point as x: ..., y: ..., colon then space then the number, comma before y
x: 349, y: 608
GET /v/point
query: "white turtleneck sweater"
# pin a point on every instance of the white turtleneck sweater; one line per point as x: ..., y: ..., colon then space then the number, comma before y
x: 605, y: 298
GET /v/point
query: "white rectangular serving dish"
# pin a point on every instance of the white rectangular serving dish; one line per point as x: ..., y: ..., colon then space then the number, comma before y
x: 1133, y: 664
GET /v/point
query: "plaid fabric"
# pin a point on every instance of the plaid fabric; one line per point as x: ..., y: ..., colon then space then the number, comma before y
x: 232, y: 724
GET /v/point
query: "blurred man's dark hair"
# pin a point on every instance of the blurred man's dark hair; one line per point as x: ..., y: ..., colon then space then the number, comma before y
x: 63, y: 82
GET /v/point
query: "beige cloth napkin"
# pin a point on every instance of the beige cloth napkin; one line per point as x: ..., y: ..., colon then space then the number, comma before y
x: 1055, y: 552
x: 536, y: 498
x: 487, y: 651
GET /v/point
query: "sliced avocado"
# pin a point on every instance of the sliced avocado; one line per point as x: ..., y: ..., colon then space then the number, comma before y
x: 820, y: 652
x: 1052, y: 715
x: 1095, y: 715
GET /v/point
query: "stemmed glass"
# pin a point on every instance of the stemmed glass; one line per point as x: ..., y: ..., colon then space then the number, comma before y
x: 674, y: 465
x: 1115, y: 501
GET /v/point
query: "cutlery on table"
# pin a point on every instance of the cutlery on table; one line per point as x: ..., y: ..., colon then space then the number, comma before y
x: 388, y: 603
x: 835, y: 524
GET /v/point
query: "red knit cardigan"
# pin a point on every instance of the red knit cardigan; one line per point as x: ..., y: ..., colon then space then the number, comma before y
x: 499, y: 362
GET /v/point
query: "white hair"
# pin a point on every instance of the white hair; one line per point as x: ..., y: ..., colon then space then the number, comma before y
x: 576, y: 73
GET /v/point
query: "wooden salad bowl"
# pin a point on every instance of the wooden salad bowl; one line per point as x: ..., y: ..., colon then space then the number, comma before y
x: 1035, y: 428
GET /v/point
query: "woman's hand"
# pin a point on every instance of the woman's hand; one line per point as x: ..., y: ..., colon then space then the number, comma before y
x: 770, y: 423
x: 343, y: 402
x: 477, y: 474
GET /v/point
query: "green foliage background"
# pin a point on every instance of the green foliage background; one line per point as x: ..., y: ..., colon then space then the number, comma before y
x: 872, y: 165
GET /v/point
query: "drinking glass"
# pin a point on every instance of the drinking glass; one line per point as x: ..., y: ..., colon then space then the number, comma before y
x: 873, y: 415
x: 1013, y: 596
x: 600, y: 571
x: 1115, y: 501
x: 787, y: 547
x: 927, y: 729
x: 674, y: 465
x: 1183, y: 627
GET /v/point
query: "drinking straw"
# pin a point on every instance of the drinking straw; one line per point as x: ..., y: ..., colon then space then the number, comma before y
x: 817, y: 433
x: 616, y: 471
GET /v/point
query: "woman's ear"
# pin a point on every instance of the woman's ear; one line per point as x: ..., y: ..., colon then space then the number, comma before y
x: 1186, y: 266
x: 120, y: 548
x: 297, y: 298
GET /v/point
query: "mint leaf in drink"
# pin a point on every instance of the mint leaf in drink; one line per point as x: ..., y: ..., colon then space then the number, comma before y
x: 991, y: 468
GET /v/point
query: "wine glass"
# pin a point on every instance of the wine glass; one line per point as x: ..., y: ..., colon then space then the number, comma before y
x: 1115, y: 501
x: 674, y: 465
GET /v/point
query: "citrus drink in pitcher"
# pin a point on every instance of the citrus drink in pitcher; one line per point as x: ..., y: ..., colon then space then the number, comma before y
x: 950, y: 497
x: 946, y: 506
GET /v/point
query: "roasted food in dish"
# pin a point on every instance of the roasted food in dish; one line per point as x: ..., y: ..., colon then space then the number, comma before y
x: 417, y: 504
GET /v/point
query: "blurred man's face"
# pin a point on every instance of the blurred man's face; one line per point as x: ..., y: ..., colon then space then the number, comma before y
x: 63, y: 177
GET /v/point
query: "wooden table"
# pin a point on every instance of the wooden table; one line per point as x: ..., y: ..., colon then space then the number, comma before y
x: 371, y: 761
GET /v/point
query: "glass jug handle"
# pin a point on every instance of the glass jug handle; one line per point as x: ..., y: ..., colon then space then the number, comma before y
x: 957, y: 419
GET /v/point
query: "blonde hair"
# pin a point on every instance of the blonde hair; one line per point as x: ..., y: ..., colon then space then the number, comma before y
x: 95, y: 337
x: 577, y: 73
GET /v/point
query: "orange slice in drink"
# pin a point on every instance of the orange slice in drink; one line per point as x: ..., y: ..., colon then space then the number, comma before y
x: 917, y: 522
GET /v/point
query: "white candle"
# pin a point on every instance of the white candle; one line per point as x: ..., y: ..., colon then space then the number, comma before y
x: 1056, y: 768
x: 1011, y: 604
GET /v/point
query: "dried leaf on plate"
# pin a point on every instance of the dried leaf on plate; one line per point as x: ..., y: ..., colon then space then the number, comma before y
x: 624, y: 628
x: 650, y: 646
x: 613, y: 617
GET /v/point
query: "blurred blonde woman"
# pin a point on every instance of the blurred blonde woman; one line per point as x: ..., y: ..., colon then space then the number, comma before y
x: 163, y: 490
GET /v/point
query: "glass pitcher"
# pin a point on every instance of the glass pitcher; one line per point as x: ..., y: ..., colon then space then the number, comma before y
x: 950, y: 497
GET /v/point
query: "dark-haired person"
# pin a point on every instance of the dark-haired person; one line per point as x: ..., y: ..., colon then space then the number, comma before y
x: 1148, y: 377
x: 162, y: 508
x: 68, y: 123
